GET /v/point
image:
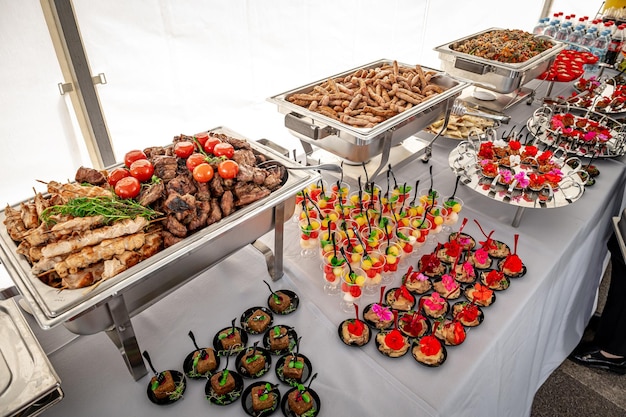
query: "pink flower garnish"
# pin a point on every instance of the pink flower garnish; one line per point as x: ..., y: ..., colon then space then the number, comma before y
x: 522, y: 179
x: 469, y: 269
x: 421, y: 277
x: 589, y: 136
x: 556, y: 123
x: 383, y: 313
x: 556, y: 171
x: 481, y: 255
x: 464, y: 240
x: 505, y: 174
x: 449, y: 283
x: 435, y: 302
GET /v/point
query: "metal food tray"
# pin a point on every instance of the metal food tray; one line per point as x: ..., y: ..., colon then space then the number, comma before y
x: 464, y: 162
x: 494, y: 75
x: 361, y: 144
x: 28, y: 383
x: 81, y: 310
x: 539, y: 126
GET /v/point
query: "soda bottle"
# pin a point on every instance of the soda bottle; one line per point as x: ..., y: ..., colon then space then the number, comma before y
x: 615, y: 45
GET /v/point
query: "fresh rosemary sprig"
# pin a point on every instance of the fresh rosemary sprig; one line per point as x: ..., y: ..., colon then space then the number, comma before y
x: 111, y: 208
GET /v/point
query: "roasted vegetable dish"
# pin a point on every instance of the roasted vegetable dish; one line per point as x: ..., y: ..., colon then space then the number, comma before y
x: 511, y: 46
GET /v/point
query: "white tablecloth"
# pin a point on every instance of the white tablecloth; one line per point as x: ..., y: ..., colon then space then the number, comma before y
x: 526, y: 334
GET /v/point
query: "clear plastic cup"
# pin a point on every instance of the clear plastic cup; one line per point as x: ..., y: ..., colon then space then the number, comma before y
x: 352, y: 289
x: 373, y: 265
x: 309, y: 237
x: 334, y: 270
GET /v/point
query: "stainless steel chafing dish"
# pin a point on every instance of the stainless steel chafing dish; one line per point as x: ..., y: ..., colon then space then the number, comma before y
x: 493, y: 75
x: 109, y: 306
x: 28, y: 383
x: 361, y: 144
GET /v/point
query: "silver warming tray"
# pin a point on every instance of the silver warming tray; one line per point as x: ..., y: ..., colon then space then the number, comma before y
x: 493, y: 75
x: 361, y: 144
x: 145, y: 283
x: 28, y: 383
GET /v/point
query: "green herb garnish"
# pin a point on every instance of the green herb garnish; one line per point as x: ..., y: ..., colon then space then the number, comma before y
x: 110, y: 208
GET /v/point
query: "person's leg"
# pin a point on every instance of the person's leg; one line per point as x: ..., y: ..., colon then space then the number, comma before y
x: 611, y: 333
x: 609, y: 344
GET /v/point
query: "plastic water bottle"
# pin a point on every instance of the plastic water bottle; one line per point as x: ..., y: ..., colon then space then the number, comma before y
x: 552, y: 29
x: 587, y: 43
x: 589, y: 39
x: 541, y: 26
x: 615, y: 45
x: 601, y: 45
x: 563, y: 32
x: 575, y: 38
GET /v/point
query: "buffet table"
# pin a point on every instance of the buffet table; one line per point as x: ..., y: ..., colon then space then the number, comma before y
x: 527, y: 333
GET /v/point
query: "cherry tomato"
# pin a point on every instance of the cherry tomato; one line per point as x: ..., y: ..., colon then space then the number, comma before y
x: 184, y: 148
x: 142, y: 169
x: 132, y: 156
x: 128, y: 187
x: 201, y: 137
x: 228, y: 169
x: 116, y: 175
x: 203, y: 172
x: 210, y: 143
x: 194, y: 160
x: 224, y: 149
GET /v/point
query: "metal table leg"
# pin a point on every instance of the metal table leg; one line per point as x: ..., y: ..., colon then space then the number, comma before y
x: 123, y: 336
x: 518, y: 216
x: 428, y: 152
x: 274, y: 260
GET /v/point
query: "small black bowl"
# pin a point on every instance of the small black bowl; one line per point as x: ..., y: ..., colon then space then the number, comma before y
x: 415, y: 345
x: 291, y: 334
x: 479, y: 304
x: 479, y: 318
x: 246, y: 400
x: 307, y: 370
x: 248, y: 313
x: 229, y: 397
x: 518, y: 275
x: 469, y: 245
x: 409, y: 315
x: 295, y: 302
x: 244, y: 372
x: 505, y: 282
x: 181, y: 386
x: 389, y: 299
x: 383, y: 333
x: 191, y: 373
x: 315, y: 410
x: 374, y: 325
x: 217, y: 343
x: 354, y: 343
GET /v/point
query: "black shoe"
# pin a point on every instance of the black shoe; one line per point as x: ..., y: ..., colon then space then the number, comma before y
x: 595, y: 359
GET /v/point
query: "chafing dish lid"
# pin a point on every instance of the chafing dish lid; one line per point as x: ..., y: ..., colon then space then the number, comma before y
x: 26, y: 375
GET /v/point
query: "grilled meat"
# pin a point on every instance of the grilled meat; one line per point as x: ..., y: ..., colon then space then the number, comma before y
x: 165, y: 167
x: 90, y: 176
x: 102, y: 251
x: 151, y: 194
